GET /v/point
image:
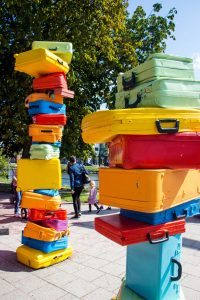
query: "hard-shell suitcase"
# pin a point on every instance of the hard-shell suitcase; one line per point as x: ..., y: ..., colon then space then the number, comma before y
x: 38, y: 201
x: 63, y: 92
x: 166, y: 93
x: 44, y: 151
x: 38, y: 232
x: 61, y: 49
x: 37, y: 259
x: 103, y: 126
x: 157, y: 66
x: 45, y: 133
x: 46, y: 107
x: 50, y: 119
x: 47, y: 192
x: 56, y: 144
x: 38, y: 174
x: 154, y: 271
x: 39, y: 62
x: 39, y: 214
x: 182, y: 211
x: 174, y: 151
x: 50, y: 81
x: 46, y: 247
x: 58, y: 225
x: 126, y: 231
x: 43, y: 96
x: 147, y: 190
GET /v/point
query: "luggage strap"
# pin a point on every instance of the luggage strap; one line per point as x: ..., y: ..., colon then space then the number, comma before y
x: 135, y: 104
x: 129, y: 84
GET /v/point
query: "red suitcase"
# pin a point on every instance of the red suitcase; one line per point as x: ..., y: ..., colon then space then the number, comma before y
x: 50, y: 81
x: 164, y: 151
x: 40, y: 214
x: 126, y: 231
x: 49, y: 119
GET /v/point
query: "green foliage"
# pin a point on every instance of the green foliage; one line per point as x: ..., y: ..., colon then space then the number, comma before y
x: 106, y: 41
x: 3, y: 166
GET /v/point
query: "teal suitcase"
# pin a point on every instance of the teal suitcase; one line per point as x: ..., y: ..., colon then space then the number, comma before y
x: 166, y: 93
x: 157, y: 66
x: 44, y: 151
x: 62, y: 49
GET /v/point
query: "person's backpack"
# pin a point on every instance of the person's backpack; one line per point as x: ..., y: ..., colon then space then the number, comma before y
x: 85, y: 178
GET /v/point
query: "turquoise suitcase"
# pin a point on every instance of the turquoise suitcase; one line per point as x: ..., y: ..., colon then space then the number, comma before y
x: 165, y: 93
x: 154, y: 271
x: 158, y: 65
x: 44, y: 151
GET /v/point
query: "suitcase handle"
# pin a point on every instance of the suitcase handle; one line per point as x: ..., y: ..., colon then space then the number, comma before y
x: 53, y: 49
x: 54, y: 108
x: 167, y: 130
x: 128, y: 84
x: 160, y: 240
x: 51, y: 213
x: 60, y: 61
x: 135, y: 104
x: 179, y: 270
x: 47, y: 130
x: 180, y: 216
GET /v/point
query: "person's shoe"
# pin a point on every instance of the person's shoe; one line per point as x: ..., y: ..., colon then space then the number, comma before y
x: 17, y: 215
x: 79, y: 214
x: 98, y: 210
x: 109, y: 207
x: 101, y: 206
x: 75, y: 217
x: 89, y: 210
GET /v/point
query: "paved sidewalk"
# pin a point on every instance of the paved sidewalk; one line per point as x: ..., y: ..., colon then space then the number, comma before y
x: 94, y: 271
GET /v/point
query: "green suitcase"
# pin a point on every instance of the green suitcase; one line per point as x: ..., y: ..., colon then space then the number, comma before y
x: 44, y: 151
x: 166, y: 93
x: 157, y: 66
x: 61, y: 49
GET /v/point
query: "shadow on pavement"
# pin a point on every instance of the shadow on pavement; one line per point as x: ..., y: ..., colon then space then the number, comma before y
x: 191, y: 243
x: 9, y: 263
x: 195, y: 219
x: 9, y: 219
x: 85, y: 224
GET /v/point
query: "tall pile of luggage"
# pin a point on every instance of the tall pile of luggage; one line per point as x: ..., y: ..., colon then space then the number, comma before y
x: 45, y: 237
x: 154, y: 173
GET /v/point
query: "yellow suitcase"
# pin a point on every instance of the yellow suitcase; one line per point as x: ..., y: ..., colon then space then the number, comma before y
x: 104, y: 126
x: 38, y: 174
x: 38, y: 62
x: 42, y: 96
x: 41, y: 233
x: 39, y: 201
x: 148, y: 191
x: 45, y: 133
x: 37, y: 259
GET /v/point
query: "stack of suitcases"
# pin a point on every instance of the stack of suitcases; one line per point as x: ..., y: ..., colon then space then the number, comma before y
x: 45, y: 236
x: 154, y: 171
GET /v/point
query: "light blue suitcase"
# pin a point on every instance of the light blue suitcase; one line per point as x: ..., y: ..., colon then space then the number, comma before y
x: 153, y: 271
x: 50, y: 193
x: 185, y: 210
x: 46, y: 107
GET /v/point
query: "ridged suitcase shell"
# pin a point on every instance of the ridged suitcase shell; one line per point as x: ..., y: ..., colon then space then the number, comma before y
x: 104, y: 126
x: 165, y: 93
x: 37, y: 232
x: 157, y: 66
x: 147, y: 190
x: 49, y: 119
x: 61, y: 49
x: 56, y: 144
x: 50, y: 81
x: 38, y: 174
x: 174, y: 151
x: 154, y: 271
x: 46, y: 107
x: 39, y: 201
x: 125, y: 231
x: 45, y: 133
x: 44, y: 151
x: 39, y: 214
x: 58, y: 225
x: 43, y: 96
x: 46, y: 247
x: 182, y: 211
x: 39, y: 62
x: 37, y: 259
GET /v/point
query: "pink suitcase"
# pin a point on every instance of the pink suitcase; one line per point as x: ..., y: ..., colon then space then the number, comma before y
x: 58, y: 225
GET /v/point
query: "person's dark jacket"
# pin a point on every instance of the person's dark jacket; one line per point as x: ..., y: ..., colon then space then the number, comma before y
x: 76, y: 175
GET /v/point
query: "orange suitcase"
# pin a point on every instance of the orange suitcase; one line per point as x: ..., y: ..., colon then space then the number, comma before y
x: 42, y: 96
x: 39, y: 201
x: 147, y: 190
x: 45, y: 133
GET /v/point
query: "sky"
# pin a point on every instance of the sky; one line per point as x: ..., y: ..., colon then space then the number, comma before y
x: 187, y: 30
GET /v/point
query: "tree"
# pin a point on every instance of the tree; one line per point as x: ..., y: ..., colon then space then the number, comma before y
x: 104, y: 41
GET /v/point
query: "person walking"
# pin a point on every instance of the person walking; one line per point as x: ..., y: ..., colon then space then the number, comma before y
x: 92, y: 198
x: 76, y: 172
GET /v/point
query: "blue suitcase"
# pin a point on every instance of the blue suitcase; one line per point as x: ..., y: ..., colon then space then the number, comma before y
x: 43, y: 246
x: 188, y: 209
x: 50, y: 193
x: 46, y: 107
x: 56, y: 144
x: 153, y: 270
